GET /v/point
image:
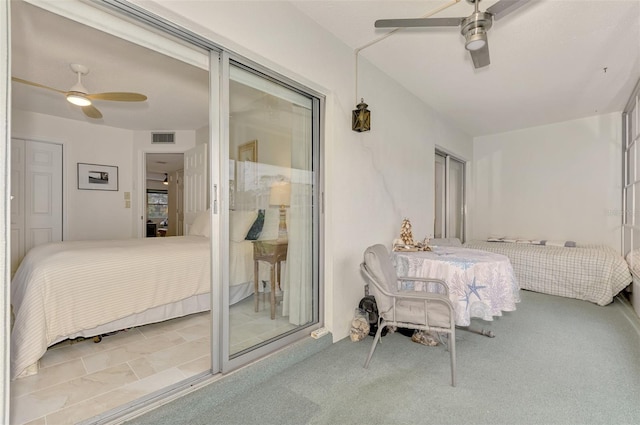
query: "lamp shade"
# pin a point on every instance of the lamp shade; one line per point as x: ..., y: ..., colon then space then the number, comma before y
x: 280, y: 193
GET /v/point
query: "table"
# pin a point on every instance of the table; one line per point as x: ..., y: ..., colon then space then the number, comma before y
x: 272, y: 252
x: 481, y: 284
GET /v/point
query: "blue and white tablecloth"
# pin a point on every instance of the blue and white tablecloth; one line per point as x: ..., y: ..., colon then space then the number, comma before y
x: 481, y: 284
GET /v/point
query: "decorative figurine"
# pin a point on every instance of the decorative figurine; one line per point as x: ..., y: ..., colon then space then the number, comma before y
x: 405, y: 232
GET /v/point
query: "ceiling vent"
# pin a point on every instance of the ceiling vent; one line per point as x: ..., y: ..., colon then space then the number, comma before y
x: 163, y: 138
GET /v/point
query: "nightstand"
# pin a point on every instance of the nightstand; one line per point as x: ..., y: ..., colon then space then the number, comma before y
x: 272, y: 252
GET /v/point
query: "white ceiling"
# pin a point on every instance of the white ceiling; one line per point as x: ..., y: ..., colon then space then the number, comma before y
x: 551, y: 61
x: 548, y: 58
x: 44, y: 44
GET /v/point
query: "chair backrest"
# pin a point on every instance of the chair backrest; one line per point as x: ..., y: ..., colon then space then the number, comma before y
x: 379, y: 265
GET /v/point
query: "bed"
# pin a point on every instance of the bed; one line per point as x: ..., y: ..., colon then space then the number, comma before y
x: 76, y: 289
x: 594, y: 273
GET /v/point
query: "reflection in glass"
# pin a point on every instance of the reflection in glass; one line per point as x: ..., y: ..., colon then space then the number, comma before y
x: 271, y: 210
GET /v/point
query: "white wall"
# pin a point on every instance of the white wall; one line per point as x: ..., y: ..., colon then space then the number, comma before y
x: 559, y: 181
x: 88, y: 214
x: 95, y: 214
x: 374, y: 179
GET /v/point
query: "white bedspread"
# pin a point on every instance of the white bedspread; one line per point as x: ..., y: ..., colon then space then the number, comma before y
x: 593, y: 273
x: 62, y: 288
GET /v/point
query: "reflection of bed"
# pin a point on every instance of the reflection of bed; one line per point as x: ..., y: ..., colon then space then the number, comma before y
x: 593, y: 273
x: 85, y: 288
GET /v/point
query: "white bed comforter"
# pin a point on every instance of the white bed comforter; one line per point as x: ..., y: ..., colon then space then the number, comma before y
x: 63, y: 288
x: 593, y: 273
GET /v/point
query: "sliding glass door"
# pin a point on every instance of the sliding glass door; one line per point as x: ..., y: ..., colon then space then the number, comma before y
x: 449, y: 197
x: 273, y: 244
x: 250, y: 136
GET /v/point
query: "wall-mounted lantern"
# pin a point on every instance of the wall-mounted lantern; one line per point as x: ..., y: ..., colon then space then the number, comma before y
x: 361, y: 118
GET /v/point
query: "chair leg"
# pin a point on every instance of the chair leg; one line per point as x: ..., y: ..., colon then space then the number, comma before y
x: 375, y: 343
x: 452, y: 352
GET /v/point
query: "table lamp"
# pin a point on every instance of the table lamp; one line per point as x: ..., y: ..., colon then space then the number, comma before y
x: 280, y: 196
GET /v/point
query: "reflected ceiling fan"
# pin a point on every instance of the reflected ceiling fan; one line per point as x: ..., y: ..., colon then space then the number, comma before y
x: 79, y: 95
x: 474, y: 27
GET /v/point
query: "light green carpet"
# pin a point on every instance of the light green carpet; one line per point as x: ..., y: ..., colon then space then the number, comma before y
x: 553, y: 361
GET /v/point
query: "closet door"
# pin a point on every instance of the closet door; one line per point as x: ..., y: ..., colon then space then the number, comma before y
x: 17, y: 203
x: 43, y: 196
x: 36, y: 208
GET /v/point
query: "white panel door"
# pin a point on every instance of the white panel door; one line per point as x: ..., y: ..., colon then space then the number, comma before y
x: 17, y: 203
x: 43, y: 200
x: 180, y: 203
x: 195, y: 184
x: 36, y: 211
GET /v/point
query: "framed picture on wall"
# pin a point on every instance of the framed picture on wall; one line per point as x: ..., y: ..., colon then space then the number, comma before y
x: 248, y: 151
x: 97, y: 177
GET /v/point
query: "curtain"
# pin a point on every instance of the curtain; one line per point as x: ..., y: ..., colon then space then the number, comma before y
x: 298, y: 276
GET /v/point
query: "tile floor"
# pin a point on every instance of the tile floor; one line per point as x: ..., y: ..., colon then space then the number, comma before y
x: 79, y: 380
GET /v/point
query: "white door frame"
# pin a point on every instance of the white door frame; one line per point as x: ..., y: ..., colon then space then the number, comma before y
x: 139, y: 199
x: 5, y: 205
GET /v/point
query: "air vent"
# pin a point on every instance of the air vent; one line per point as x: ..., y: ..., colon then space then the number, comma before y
x: 163, y: 138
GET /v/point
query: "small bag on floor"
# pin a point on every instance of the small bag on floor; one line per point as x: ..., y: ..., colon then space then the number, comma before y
x: 369, y: 306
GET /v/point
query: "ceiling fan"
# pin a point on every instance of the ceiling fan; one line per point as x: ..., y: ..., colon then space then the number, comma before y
x: 79, y: 95
x: 474, y: 27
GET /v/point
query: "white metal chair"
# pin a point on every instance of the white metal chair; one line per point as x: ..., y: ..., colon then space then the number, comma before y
x: 407, y: 309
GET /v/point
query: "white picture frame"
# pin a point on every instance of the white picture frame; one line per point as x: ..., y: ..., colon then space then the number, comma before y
x: 97, y: 177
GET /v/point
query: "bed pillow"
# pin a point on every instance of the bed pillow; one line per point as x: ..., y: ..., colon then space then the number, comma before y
x: 271, y: 225
x: 201, y: 225
x: 567, y: 244
x: 239, y: 224
x: 256, y: 227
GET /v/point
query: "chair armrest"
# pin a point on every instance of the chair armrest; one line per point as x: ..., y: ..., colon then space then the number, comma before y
x: 422, y: 296
x: 440, y: 282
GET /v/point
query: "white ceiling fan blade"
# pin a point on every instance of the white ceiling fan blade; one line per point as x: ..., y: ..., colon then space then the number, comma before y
x: 504, y: 7
x: 418, y: 22
x: 480, y: 57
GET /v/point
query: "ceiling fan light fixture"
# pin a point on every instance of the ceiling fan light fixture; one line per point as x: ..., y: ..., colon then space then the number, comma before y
x: 475, y: 39
x: 78, y: 98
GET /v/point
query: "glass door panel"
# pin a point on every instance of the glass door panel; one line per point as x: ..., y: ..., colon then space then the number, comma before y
x: 456, y: 196
x: 439, y: 217
x: 449, y: 197
x: 271, y: 211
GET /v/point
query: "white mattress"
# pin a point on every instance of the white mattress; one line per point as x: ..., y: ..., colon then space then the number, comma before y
x: 84, y: 288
